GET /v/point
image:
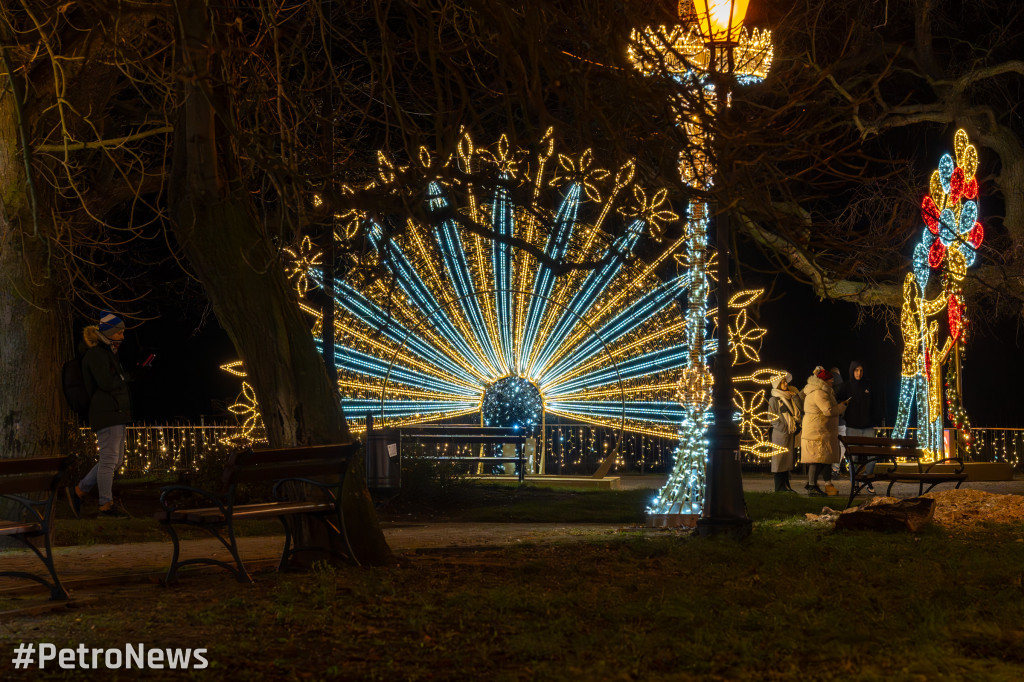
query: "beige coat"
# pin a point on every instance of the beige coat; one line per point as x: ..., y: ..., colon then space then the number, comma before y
x: 819, y: 442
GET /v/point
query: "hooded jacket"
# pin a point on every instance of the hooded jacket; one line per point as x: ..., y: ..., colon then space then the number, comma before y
x: 859, y: 413
x: 110, y: 404
x: 819, y: 442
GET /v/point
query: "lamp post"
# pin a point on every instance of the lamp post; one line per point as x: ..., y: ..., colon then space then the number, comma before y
x: 724, y: 510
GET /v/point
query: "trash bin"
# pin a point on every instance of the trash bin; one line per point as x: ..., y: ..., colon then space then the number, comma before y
x: 383, y: 460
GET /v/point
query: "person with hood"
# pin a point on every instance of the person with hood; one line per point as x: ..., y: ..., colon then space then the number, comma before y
x: 819, y: 442
x: 786, y: 411
x: 109, y: 411
x: 860, y: 415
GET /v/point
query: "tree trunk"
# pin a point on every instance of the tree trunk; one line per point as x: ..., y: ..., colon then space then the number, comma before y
x: 233, y: 257
x: 34, y: 338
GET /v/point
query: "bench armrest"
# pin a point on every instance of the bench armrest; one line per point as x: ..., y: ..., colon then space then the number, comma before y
x: 925, y: 468
x: 168, y: 492
x: 29, y: 505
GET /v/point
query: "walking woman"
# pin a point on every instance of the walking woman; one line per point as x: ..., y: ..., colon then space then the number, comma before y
x: 819, y: 442
x: 786, y: 412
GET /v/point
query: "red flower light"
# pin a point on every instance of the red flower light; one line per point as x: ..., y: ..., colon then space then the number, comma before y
x: 956, y: 187
x: 930, y: 214
x: 956, y: 317
x: 976, y: 235
x: 971, y: 189
x: 936, y: 254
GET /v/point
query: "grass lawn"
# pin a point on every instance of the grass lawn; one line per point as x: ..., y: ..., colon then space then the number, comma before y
x: 792, y: 601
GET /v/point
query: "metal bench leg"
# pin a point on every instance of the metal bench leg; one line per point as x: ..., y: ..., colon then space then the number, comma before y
x: 57, y: 591
x: 288, y: 550
x: 238, y: 570
x: 172, y: 571
x: 242, y: 575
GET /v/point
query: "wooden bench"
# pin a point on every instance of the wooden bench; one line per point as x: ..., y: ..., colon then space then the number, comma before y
x: 20, y: 478
x: 306, y: 484
x: 860, y: 452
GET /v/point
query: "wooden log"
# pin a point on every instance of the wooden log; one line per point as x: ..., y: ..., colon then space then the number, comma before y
x: 911, y: 514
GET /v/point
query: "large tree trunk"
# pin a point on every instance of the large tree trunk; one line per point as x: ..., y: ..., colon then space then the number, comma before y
x: 233, y: 257
x: 34, y: 336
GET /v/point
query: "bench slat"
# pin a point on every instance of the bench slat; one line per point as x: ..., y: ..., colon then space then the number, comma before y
x: 459, y: 438
x: 28, y: 483
x: 18, y: 528
x: 247, y: 511
x: 292, y: 455
x: 31, y: 465
x: 275, y: 472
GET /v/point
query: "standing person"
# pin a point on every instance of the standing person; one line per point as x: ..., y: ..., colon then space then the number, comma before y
x: 860, y: 415
x: 109, y: 411
x: 820, y: 437
x: 787, y: 413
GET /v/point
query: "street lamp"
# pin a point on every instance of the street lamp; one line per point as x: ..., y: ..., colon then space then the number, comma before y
x: 724, y: 510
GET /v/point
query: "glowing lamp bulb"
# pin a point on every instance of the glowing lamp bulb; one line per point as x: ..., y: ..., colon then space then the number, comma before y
x: 720, y: 21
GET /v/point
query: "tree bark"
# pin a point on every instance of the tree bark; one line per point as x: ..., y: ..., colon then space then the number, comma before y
x: 35, y: 338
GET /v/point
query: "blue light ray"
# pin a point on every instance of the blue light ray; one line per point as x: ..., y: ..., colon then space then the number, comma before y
x: 557, y: 243
x: 503, y: 222
x: 620, y: 325
x: 664, y: 412
x: 404, y: 408
x: 595, y: 284
x: 416, y: 289
x: 364, y: 363
x: 450, y: 245
x: 646, y: 364
x: 383, y: 322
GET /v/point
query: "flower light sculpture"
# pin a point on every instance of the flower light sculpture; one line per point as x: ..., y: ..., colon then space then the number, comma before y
x: 948, y: 246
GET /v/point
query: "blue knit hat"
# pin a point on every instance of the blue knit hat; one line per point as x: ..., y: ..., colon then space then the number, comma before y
x: 110, y: 323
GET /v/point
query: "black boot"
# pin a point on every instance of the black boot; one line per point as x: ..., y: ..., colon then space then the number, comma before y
x: 780, y: 482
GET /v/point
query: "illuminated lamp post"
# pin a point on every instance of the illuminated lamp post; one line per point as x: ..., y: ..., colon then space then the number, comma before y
x: 724, y: 511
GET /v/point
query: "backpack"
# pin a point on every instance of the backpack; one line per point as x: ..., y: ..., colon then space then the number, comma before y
x: 75, y: 390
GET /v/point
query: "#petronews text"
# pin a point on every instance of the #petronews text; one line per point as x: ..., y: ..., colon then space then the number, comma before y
x: 85, y: 658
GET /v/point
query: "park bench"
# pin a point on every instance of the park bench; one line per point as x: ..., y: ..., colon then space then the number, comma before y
x: 20, y: 481
x: 304, y: 483
x: 458, y: 434
x: 861, y: 451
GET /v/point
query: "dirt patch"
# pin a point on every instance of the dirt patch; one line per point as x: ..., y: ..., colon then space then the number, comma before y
x: 954, y: 509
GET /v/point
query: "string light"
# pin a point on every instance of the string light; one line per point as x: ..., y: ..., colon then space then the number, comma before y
x: 949, y: 246
x: 680, y: 54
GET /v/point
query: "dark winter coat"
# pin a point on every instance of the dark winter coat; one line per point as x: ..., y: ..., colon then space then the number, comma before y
x: 860, y: 413
x: 110, y: 403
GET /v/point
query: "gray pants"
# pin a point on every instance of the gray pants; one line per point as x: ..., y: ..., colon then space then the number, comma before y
x: 111, y: 449
x: 863, y: 433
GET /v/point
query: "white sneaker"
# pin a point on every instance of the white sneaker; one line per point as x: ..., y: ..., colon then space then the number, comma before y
x: 870, y: 488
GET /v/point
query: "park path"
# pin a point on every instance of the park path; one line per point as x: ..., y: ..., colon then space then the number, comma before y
x: 83, y: 566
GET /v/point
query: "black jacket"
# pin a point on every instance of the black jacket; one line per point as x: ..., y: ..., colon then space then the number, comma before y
x: 860, y: 413
x: 110, y: 403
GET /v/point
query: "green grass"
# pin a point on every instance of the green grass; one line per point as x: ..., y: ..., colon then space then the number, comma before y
x: 792, y: 601
x: 481, y: 503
